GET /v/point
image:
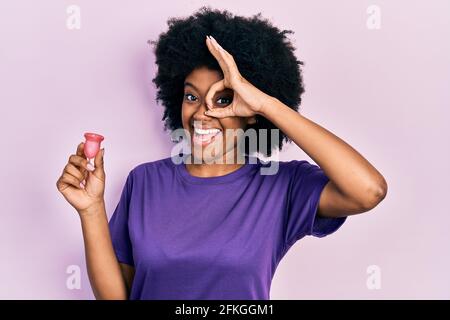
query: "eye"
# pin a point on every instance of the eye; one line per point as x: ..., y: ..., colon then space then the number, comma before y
x: 227, y: 100
x: 187, y: 95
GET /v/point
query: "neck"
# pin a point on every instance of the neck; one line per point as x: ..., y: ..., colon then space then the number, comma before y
x: 213, y: 169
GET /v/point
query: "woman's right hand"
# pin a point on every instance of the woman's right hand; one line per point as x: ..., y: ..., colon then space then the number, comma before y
x: 70, y: 183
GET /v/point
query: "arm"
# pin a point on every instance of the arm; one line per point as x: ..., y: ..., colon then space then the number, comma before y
x: 355, y: 186
x: 128, y: 274
x: 105, y: 273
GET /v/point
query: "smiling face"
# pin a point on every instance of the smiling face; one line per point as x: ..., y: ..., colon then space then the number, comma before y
x: 208, y: 134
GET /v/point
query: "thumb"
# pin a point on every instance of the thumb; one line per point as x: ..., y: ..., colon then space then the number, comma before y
x: 220, y: 112
x: 98, y: 160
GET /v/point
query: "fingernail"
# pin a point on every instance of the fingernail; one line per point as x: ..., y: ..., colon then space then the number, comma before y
x: 90, y: 167
x: 81, y: 185
x: 215, y: 43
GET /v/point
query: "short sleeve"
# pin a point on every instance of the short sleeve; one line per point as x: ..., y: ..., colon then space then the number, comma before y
x: 118, y: 225
x: 305, y: 187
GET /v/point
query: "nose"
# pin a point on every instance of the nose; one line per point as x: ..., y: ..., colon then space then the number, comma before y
x: 199, y: 114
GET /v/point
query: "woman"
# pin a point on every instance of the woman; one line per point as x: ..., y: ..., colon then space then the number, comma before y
x: 210, y: 229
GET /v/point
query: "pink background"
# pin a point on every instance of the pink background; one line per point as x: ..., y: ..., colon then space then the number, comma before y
x: 385, y: 92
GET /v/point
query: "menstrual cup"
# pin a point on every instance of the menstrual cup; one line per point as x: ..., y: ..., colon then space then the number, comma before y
x: 92, y: 144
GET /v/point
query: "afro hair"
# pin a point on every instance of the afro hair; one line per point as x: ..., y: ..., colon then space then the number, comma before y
x: 263, y: 54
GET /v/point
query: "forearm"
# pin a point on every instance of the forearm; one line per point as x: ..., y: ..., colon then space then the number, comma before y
x: 352, y: 174
x: 103, y: 268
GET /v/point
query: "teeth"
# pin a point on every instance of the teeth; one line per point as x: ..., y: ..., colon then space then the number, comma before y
x: 205, y: 131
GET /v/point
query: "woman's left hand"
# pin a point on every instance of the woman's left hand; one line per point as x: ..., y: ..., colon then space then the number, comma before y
x: 247, y: 99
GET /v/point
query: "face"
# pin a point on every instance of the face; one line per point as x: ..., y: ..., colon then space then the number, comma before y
x: 210, y: 137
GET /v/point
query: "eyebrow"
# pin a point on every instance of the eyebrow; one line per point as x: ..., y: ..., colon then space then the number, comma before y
x: 188, y: 84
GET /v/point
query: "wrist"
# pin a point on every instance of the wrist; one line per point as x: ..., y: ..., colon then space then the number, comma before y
x: 267, y: 106
x: 95, y: 209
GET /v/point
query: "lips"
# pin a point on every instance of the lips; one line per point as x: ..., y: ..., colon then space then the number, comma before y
x: 205, y: 136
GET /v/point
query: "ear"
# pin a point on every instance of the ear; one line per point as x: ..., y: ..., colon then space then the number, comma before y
x: 251, y: 120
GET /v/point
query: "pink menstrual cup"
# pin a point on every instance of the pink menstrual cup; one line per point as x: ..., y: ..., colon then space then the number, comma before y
x: 92, y: 144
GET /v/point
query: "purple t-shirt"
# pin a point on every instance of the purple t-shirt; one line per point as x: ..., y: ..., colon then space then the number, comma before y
x: 201, y: 238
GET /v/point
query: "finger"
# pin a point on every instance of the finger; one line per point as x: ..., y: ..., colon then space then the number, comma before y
x: 215, y: 52
x: 99, y: 171
x: 216, y: 87
x: 80, y: 152
x: 71, y: 169
x: 98, y: 161
x: 221, y: 112
x: 71, y: 180
x: 80, y: 162
x: 228, y: 64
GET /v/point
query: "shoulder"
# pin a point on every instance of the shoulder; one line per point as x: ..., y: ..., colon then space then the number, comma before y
x: 159, y: 165
x: 288, y: 168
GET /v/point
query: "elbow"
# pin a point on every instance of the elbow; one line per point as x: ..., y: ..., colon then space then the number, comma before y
x: 375, y: 195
